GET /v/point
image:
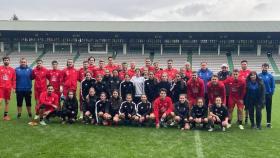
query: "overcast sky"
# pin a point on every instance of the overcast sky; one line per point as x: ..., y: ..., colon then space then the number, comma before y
x: 143, y: 10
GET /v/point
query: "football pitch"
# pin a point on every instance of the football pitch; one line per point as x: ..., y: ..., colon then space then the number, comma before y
x: 18, y: 139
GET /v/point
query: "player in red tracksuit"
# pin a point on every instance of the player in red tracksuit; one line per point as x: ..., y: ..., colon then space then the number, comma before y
x: 100, y: 70
x: 54, y: 78
x: 111, y: 66
x: 243, y: 74
x: 188, y: 72
x: 216, y: 88
x: 237, y: 90
x: 48, y: 104
x: 171, y: 72
x: 69, y: 78
x: 195, y: 89
x: 148, y: 65
x: 131, y: 71
x: 162, y: 108
x: 91, y: 64
x: 7, y: 83
x: 39, y: 74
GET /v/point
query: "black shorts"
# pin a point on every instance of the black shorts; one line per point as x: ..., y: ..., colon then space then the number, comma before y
x: 114, y: 112
x: 20, y: 95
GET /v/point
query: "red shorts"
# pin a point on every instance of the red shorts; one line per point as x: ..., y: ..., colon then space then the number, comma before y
x: 232, y: 102
x: 5, y: 93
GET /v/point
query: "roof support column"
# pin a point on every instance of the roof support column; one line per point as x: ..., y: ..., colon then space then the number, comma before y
x: 180, y: 49
x: 106, y: 48
x: 199, y: 49
x: 219, y: 49
x: 88, y: 47
x: 124, y: 48
x: 36, y: 47
x: 53, y: 48
x: 71, y: 48
x: 278, y: 49
x: 19, y: 47
x: 238, y: 49
x: 161, y: 49
x: 259, y: 50
x: 143, y: 49
x: 2, y: 49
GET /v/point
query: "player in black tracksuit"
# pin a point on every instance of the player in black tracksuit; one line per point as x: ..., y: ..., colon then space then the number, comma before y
x: 102, y: 110
x: 114, y: 82
x: 127, y: 110
x: 89, y: 107
x: 100, y: 87
x: 181, y: 112
x: 150, y: 87
x: 164, y: 83
x: 218, y: 115
x: 199, y: 114
x: 144, y: 109
x: 115, y: 103
x: 86, y: 84
x: 178, y: 87
x: 126, y: 87
x: 70, y: 108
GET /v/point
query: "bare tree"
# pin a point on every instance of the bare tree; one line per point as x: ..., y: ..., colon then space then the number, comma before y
x: 14, y: 18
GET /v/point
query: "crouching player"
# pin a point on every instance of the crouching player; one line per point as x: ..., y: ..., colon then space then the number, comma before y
x: 102, y: 110
x: 48, y: 105
x: 70, y: 108
x: 181, y: 113
x: 144, y: 109
x: 162, y: 109
x: 199, y: 114
x: 218, y: 115
x: 127, y: 112
x: 89, y: 107
x: 114, y: 106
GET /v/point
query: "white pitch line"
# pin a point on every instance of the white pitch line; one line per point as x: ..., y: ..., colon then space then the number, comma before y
x: 198, y: 145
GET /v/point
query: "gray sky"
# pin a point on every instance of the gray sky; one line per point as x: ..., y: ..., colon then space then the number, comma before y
x: 144, y: 10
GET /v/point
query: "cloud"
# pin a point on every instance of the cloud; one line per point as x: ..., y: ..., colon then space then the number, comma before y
x: 161, y: 10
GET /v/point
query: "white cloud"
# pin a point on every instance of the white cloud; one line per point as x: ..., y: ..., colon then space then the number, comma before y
x: 141, y: 9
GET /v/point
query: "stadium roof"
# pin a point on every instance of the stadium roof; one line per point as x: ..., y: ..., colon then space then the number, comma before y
x: 142, y: 26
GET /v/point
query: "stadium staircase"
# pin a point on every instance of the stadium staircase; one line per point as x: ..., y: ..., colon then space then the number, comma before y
x: 152, y: 56
x: 230, y: 62
x: 39, y: 57
x: 76, y: 57
x: 274, y: 65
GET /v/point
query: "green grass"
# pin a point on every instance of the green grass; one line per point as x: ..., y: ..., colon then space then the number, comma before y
x: 18, y: 139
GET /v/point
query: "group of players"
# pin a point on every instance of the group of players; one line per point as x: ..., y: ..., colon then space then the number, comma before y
x: 112, y: 94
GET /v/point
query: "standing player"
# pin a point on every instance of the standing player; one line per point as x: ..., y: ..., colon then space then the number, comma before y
x: 91, y: 64
x: 237, y: 90
x: 164, y: 83
x: 148, y: 65
x: 223, y: 75
x: 70, y: 78
x: 205, y: 74
x: 171, y: 72
x: 54, y: 78
x: 179, y: 87
x: 138, y: 83
x: 188, y: 72
x: 158, y: 71
x: 243, y: 74
x: 23, y: 87
x: 131, y: 71
x: 218, y: 115
x: 216, y: 88
x: 82, y: 72
x: 126, y: 87
x: 269, y: 84
x: 7, y: 83
x: 162, y: 109
x: 150, y: 87
x: 39, y: 74
x: 195, y: 89
x: 111, y: 66
x: 100, y: 70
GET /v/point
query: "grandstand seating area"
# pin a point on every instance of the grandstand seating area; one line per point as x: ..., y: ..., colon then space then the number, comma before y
x: 214, y: 61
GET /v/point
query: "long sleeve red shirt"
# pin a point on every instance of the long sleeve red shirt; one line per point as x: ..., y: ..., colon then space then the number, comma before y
x: 162, y: 106
x: 214, y: 91
x: 7, y: 77
x: 237, y: 88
